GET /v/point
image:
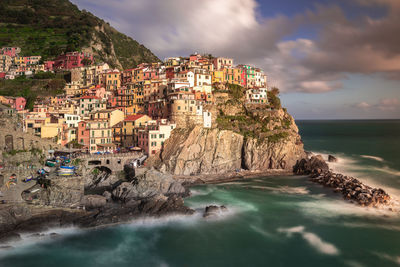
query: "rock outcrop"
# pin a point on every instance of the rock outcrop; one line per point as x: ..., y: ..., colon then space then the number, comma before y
x: 272, y: 155
x: 62, y: 192
x: 269, y: 140
x: 151, y: 184
x: 351, y: 188
x: 200, y: 150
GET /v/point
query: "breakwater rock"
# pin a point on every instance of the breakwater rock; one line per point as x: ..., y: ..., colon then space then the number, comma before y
x: 351, y: 188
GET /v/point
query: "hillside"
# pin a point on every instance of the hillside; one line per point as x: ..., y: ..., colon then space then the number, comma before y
x: 49, y: 28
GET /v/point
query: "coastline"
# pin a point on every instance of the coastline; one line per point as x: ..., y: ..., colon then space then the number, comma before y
x: 229, y: 176
x: 35, y: 218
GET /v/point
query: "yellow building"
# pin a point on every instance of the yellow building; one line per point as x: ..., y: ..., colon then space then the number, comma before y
x: 112, y: 81
x: 130, y: 129
x: 218, y: 76
x: 51, y: 128
x: 112, y: 116
x: 20, y: 61
x: 138, y: 75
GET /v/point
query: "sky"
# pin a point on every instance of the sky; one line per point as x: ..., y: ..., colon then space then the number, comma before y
x: 331, y: 59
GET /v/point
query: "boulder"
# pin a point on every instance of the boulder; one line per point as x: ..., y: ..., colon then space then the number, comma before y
x: 94, y: 201
x: 332, y: 158
x: 315, y: 165
x: 150, y: 184
x: 213, y: 210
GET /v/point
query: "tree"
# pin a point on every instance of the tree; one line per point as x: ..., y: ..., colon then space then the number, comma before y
x: 275, y: 91
x: 86, y: 62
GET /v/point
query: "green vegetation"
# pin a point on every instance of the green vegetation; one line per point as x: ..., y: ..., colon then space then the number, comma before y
x: 36, y: 151
x: 286, y: 123
x: 75, y: 144
x: 76, y: 162
x: 235, y: 90
x: 31, y: 88
x: 274, y: 100
x: 277, y: 137
x: 49, y: 28
x: 12, y: 152
x: 44, y: 75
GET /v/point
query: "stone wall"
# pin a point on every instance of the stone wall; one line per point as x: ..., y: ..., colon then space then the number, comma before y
x: 12, y: 138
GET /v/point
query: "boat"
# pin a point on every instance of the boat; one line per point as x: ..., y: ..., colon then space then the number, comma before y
x: 28, y: 179
x: 66, y: 170
x: 68, y: 167
x: 51, y: 163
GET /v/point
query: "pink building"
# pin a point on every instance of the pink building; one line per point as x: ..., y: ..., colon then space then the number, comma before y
x: 72, y: 60
x: 10, y: 51
x: 99, y: 92
x: 17, y: 103
x: 150, y: 74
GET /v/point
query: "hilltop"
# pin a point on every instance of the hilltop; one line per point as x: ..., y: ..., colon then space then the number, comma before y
x: 49, y: 28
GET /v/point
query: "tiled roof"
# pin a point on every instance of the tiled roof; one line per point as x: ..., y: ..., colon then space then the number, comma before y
x: 133, y: 117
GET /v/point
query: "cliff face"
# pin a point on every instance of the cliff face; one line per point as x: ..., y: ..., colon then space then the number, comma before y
x: 218, y: 151
x: 280, y: 149
x: 201, y: 151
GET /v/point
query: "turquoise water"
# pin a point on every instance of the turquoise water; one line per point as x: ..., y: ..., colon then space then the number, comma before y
x: 278, y: 221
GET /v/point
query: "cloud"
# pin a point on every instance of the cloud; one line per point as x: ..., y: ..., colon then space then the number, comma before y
x: 312, y: 239
x: 363, y: 105
x: 389, y: 104
x: 342, y: 45
x: 386, y: 104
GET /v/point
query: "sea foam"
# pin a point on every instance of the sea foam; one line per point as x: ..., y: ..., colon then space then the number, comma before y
x: 312, y: 239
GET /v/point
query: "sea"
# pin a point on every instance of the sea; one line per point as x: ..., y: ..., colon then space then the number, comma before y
x: 271, y: 221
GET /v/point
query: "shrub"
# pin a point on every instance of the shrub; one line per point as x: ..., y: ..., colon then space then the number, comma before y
x: 277, y: 137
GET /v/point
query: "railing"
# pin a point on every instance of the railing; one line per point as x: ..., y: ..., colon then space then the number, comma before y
x: 116, y: 155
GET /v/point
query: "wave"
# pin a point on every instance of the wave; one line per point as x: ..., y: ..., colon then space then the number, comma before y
x: 325, y: 209
x: 388, y: 170
x: 385, y: 256
x: 284, y: 189
x: 373, y: 157
x: 312, y: 239
x: 30, y: 240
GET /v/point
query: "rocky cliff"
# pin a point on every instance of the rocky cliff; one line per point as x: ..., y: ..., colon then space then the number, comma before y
x: 246, y: 138
x: 201, y: 150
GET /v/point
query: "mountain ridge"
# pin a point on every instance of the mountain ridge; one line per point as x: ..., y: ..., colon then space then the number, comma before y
x: 52, y: 27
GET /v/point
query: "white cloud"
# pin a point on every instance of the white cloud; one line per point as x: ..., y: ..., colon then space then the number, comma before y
x: 363, y: 105
x: 235, y: 28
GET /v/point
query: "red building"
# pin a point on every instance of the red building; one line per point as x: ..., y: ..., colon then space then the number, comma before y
x: 49, y: 65
x: 72, y: 60
x: 170, y: 72
x: 83, y: 135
